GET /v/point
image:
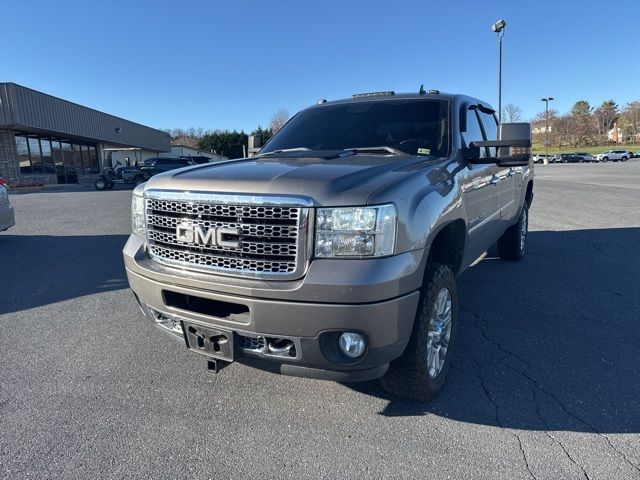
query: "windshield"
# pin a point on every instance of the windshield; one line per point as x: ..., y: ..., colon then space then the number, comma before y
x: 410, y: 126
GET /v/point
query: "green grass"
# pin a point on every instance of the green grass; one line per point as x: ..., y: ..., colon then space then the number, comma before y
x: 539, y: 148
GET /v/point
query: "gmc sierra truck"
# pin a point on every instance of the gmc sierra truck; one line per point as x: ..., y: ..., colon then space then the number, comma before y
x: 334, y: 252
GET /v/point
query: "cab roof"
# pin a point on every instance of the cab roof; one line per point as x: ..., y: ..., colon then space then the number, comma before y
x: 454, y: 98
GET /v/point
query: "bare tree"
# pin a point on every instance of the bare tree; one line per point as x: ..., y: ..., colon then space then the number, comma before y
x: 630, y: 120
x: 278, y: 120
x: 511, y: 113
x: 605, y: 116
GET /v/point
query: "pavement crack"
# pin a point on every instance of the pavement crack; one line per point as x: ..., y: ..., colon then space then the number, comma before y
x: 496, y: 408
x: 524, y: 456
x: 481, y: 325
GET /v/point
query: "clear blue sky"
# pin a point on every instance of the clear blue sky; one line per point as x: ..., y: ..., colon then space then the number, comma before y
x: 232, y: 64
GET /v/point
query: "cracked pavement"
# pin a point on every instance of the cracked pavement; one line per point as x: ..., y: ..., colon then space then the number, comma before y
x: 545, y: 380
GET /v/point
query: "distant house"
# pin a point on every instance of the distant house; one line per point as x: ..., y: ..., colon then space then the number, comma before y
x: 540, y: 127
x: 615, y: 134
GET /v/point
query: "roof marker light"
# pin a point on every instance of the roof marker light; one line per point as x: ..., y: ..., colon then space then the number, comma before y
x: 373, y: 94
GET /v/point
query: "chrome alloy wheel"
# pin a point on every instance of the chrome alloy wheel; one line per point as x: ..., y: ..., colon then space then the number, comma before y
x: 524, y: 227
x: 439, y: 333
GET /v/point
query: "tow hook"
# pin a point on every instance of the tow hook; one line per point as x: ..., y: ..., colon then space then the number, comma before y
x: 215, y: 364
x: 280, y: 346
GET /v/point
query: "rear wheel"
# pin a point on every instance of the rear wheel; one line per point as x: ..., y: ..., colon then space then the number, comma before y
x: 624, y: 159
x: 513, y: 242
x: 605, y: 159
x: 420, y: 372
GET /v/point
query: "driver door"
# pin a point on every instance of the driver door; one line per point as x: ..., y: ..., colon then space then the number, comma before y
x: 479, y: 189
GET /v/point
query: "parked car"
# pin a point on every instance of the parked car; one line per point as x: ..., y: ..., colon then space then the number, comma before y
x: 572, y: 158
x: 613, y: 155
x: 153, y: 166
x: 586, y: 157
x: 541, y: 157
x: 558, y: 158
x: 7, y: 216
x: 636, y: 154
x: 342, y: 204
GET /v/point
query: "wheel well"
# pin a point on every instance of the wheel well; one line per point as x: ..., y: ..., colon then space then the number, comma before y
x: 447, y: 247
x: 529, y: 195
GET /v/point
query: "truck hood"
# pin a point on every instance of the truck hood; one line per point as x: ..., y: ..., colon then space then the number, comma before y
x: 327, y: 181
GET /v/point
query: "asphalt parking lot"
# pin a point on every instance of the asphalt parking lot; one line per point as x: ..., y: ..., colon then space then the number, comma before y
x: 545, y: 381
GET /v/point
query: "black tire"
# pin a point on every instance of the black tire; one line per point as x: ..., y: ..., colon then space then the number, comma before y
x: 408, y: 375
x: 624, y: 159
x: 101, y: 183
x: 138, y: 180
x: 605, y: 159
x: 513, y: 243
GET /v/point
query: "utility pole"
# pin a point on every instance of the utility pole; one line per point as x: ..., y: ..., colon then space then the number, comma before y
x: 546, y: 126
x: 498, y: 28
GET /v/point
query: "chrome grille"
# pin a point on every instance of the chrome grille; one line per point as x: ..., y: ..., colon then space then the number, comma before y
x: 272, y: 232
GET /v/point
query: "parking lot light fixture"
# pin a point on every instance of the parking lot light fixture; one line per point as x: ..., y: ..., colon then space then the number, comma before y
x: 546, y: 126
x: 498, y: 28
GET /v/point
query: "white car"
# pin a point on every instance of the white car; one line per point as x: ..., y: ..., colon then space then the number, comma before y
x: 7, y: 218
x: 614, y: 155
x: 540, y: 158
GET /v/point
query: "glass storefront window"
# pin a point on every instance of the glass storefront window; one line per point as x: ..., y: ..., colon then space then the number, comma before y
x: 86, y: 164
x: 66, y: 159
x: 77, y: 158
x: 93, y: 159
x: 36, y: 156
x: 23, y: 154
x: 47, y: 157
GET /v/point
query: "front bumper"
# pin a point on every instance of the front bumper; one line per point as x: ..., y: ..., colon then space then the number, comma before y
x: 377, y: 298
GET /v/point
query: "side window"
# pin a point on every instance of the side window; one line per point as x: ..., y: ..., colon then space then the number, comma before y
x: 490, y: 128
x: 473, y: 132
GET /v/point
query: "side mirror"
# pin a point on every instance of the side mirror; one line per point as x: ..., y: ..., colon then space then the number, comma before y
x: 513, y: 148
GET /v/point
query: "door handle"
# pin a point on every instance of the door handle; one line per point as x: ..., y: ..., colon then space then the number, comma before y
x: 494, y: 180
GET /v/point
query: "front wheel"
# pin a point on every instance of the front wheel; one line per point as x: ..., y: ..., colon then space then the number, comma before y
x: 513, y: 242
x: 420, y: 372
x: 605, y: 159
x: 101, y: 183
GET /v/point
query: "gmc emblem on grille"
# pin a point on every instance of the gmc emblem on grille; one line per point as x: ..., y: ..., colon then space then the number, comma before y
x: 208, y: 237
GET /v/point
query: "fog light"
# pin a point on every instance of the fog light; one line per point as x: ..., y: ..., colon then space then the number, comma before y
x: 351, y: 344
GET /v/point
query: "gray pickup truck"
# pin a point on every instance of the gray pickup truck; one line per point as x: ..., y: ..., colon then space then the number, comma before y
x: 334, y: 252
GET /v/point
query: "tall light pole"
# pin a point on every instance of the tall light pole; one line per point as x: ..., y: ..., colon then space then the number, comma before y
x: 498, y: 28
x: 546, y: 125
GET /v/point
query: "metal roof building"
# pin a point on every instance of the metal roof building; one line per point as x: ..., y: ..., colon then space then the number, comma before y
x: 56, y: 140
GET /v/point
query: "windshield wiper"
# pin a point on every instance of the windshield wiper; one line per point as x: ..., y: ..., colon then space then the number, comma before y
x: 383, y: 149
x: 285, y: 150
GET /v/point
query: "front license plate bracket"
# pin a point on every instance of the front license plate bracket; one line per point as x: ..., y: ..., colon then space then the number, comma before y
x: 212, y: 342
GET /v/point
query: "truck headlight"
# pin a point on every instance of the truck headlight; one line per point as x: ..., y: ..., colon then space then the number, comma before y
x: 356, y: 231
x: 137, y: 212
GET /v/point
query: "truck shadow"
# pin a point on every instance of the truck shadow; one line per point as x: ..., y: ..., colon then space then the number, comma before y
x: 39, y: 270
x: 549, y: 343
